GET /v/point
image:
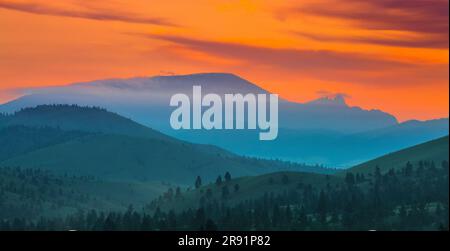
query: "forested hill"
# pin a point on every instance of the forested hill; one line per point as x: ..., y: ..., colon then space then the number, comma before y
x: 409, y: 195
x: 73, y: 117
x: 93, y: 142
x: 33, y: 193
x: 412, y: 195
x: 435, y: 150
x: 17, y: 140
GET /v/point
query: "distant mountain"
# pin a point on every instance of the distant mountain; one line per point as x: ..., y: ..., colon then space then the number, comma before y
x: 146, y: 100
x: 325, y: 131
x: 407, y: 128
x: 327, y: 147
x: 338, y: 100
x: 115, y: 148
x: 375, y: 143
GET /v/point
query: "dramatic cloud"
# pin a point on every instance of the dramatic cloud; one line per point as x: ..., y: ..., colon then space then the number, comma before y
x: 300, y: 60
x: 318, y: 64
x: 386, y: 54
x: 431, y: 41
x: 91, y: 13
x: 427, y: 17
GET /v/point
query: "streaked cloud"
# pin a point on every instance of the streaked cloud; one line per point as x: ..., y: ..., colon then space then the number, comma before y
x: 325, y: 65
x: 297, y: 59
x: 430, y: 41
x: 91, y: 13
x: 430, y: 18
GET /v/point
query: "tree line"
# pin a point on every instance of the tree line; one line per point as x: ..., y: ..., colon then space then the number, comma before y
x: 414, y: 197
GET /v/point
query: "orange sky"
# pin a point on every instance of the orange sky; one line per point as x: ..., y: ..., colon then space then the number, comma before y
x: 384, y: 54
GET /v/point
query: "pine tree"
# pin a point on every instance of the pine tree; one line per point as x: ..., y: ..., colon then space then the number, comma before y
x: 236, y: 187
x: 210, y: 225
x: 178, y: 192
x: 219, y: 180
x: 225, y: 192
x: 350, y: 179
x: 198, y: 182
x: 322, y: 207
x: 227, y: 177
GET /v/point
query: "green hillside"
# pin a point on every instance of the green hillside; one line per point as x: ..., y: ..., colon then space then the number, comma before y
x: 16, y: 140
x: 91, y: 141
x: 119, y: 157
x: 248, y: 188
x: 32, y: 193
x: 279, y: 182
x: 115, y: 165
x: 435, y: 150
x: 411, y: 197
x: 72, y: 117
x: 407, y: 197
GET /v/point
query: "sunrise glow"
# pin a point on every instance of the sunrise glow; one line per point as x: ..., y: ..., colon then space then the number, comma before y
x: 392, y: 57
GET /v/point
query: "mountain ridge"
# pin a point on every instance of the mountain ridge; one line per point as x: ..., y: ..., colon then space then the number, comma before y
x: 119, y: 155
x: 150, y: 107
x: 435, y: 150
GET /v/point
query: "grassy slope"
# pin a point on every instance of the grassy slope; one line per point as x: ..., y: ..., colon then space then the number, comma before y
x: 435, y: 150
x: 57, y: 195
x: 17, y: 140
x: 124, y: 157
x: 257, y: 186
x: 250, y: 188
x: 120, y: 157
x: 118, y: 148
x: 89, y: 120
x: 77, y: 118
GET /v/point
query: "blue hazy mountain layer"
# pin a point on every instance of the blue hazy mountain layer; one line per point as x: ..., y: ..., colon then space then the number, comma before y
x: 325, y: 131
x: 94, y: 142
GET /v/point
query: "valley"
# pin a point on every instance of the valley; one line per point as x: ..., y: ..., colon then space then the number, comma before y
x: 89, y: 169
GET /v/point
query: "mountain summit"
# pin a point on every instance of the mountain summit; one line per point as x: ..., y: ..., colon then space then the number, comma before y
x: 218, y: 83
x: 336, y: 100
